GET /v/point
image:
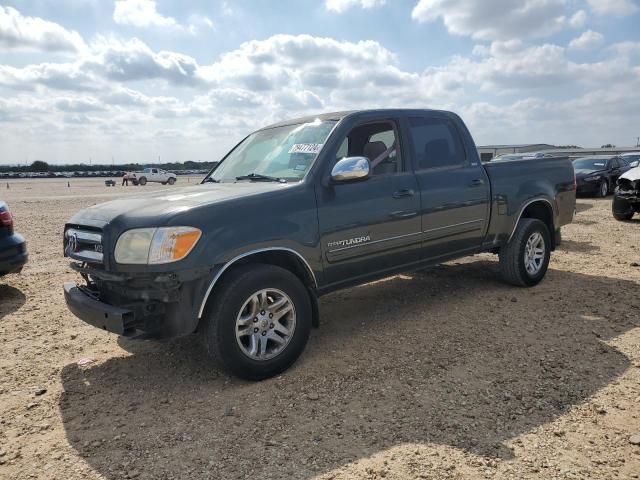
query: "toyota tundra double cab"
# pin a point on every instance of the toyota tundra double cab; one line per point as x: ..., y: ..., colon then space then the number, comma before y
x: 300, y: 209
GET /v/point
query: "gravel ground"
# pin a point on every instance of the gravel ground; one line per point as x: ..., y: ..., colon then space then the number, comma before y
x: 445, y: 373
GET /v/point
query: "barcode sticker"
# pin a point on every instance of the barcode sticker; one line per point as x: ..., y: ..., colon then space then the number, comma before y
x: 306, y: 148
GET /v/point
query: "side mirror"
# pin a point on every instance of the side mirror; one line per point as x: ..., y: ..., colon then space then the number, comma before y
x: 351, y: 169
x: 634, y: 164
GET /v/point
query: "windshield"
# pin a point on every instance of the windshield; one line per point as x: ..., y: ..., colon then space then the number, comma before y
x: 282, y: 152
x: 590, y: 163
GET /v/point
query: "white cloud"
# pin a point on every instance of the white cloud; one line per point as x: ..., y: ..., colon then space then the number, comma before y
x: 133, y: 60
x: 140, y: 13
x: 340, y: 6
x: 587, y: 41
x: 21, y: 32
x: 499, y: 19
x: 198, y: 23
x: 578, y: 19
x: 614, y: 7
x: 120, y: 94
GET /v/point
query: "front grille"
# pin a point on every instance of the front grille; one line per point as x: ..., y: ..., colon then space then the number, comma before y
x: 83, y: 245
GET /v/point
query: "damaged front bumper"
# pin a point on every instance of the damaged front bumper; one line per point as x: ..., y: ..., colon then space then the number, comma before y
x: 141, y: 305
x: 631, y: 196
x: 628, y: 190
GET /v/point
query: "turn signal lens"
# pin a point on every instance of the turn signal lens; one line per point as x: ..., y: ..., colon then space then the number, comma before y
x: 172, y: 244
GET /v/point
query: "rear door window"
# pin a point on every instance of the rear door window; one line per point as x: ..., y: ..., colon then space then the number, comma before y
x: 436, y: 143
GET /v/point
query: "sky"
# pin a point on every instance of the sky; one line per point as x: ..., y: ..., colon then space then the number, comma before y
x: 120, y: 81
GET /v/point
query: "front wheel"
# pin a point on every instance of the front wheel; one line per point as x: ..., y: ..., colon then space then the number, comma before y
x: 621, y: 209
x: 172, y: 181
x: 525, y: 259
x: 604, y: 188
x: 258, y: 322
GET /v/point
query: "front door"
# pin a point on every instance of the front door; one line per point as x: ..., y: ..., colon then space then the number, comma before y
x: 371, y: 226
x: 454, y: 188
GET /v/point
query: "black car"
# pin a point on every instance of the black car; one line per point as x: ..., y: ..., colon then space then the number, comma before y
x: 13, y: 248
x: 597, y: 175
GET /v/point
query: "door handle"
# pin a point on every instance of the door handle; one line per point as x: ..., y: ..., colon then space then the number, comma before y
x: 477, y: 182
x: 405, y: 192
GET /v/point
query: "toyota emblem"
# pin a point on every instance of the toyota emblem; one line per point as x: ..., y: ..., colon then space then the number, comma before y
x: 73, y: 242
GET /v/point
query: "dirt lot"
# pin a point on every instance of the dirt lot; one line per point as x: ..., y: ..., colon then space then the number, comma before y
x: 446, y: 373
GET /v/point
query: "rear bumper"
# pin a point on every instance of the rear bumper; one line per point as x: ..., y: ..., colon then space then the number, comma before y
x: 13, y: 254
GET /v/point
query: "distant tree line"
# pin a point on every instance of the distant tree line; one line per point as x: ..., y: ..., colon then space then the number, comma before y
x: 40, y: 166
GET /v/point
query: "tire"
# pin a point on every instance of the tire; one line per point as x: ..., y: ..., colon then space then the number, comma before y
x: 142, y: 181
x: 603, y: 189
x: 172, y: 181
x: 513, y: 255
x: 229, y: 349
x: 621, y: 209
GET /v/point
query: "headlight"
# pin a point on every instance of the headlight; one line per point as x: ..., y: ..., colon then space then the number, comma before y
x: 156, y: 245
x: 592, y: 179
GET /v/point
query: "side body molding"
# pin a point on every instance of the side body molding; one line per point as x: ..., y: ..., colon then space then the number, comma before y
x: 247, y: 254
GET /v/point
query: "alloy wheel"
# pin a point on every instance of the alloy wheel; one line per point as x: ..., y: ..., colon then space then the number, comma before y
x: 265, y: 324
x: 534, y: 253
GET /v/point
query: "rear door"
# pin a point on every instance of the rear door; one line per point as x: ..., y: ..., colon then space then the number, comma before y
x: 454, y: 187
x: 371, y: 226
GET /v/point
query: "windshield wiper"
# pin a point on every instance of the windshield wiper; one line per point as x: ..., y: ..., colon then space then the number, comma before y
x: 258, y: 177
x: 210, y: 179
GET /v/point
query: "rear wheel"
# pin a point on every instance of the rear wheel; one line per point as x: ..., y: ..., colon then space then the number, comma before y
x: 621, y: 209
x: 258, y: 322
x: 525, y: 259
x: 142, y: 181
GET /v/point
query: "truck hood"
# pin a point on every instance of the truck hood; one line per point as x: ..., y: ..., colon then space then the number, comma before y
x: 164, y: 204
x: 633, y: 174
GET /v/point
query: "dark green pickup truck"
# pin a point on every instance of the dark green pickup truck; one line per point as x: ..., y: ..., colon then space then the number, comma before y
x: 300, y: 209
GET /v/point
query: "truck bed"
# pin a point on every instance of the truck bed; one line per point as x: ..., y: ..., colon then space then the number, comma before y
x: 515, y: 183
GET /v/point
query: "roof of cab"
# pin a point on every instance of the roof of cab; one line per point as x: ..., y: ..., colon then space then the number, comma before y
x: 337, y: 116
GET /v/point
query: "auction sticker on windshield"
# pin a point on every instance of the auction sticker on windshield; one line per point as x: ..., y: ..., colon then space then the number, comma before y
x: 306, y: 148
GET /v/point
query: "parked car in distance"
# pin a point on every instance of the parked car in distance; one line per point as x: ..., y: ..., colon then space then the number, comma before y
x: 632, y: 158
x: 300, y: 209
x: 626, y: 198
x: 152, y: 175
x: 13, y: 248
x: 597, y: 175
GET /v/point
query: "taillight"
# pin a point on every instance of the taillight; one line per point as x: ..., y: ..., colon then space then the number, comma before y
x: 6, y: 220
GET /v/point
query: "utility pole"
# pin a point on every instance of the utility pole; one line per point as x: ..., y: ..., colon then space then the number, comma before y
x: 638, y: 142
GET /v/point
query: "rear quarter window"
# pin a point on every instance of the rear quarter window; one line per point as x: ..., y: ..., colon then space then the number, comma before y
x: 436, y: 143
